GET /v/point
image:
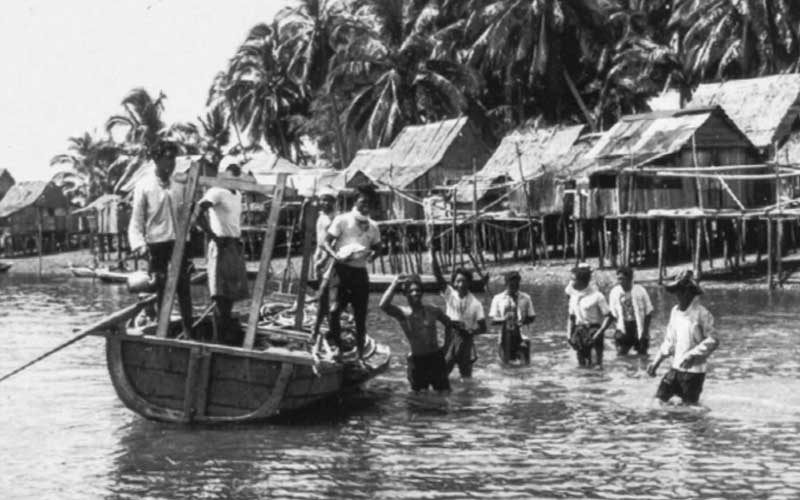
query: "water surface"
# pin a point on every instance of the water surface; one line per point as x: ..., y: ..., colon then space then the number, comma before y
x: 550, y: 430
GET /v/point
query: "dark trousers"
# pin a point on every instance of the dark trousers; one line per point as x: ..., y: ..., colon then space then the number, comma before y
x: 160, y: 255
x: 349, y: 285
x: 459, y: 350
x: 625, y: 340
x: 685, y: 385
x: 581, y: 341
x: 424, y: 370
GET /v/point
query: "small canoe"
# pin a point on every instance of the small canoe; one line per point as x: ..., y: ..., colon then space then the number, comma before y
x: 108, y: 276
x: 4, y: 266
x: 82, y: 271
x: 185, y: 381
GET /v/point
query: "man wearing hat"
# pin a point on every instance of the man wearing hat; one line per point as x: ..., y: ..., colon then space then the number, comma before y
x: 219, y: 214
x: 512, y: 309
x: 633, y: 310
x: 690, y: 338
x: 327, y: 212
x: 153, y: 225
x: 589, y: 316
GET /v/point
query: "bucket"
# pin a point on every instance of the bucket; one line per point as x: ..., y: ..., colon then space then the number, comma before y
x: 141, y: 282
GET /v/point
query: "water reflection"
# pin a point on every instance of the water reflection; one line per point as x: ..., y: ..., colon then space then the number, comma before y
x: 549, y: 430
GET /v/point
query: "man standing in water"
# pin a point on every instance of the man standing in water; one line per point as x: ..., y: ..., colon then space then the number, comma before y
x: 219, y: 216
x: 632, y: 310
x: 512, y: 309
x: 589, y: 317
x: 426, y: 363
x: 690, y: 338
x: 466, y: 316
x: 352, y: 241
x: 153, y: 226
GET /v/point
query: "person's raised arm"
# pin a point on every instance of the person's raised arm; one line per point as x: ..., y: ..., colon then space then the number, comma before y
x: 386, y: 300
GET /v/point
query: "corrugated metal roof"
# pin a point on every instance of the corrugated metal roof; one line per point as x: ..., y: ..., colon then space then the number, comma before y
x: 763, y: 108
x: 21, y: 195
x: 537, y: 150
x: 651, y: 134
x: 417, y: 149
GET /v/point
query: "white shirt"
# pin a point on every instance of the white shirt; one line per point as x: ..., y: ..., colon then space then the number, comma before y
x: 348, y: 230
x: 323, y: 223
x: 503, y: 302
x: 466, y: 309
x: 588, y: 305
x: 688, y: 333
x: 642, y: 306
x: 156, y: 207
x: 225, y: 215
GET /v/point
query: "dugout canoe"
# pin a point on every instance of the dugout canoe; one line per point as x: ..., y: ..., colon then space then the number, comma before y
x: 186, y: 381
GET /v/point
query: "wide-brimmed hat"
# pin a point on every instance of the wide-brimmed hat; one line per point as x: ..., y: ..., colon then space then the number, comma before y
x: 685, y: 279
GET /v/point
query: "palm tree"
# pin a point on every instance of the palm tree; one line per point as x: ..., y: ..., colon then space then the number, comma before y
x: 93, y: 169
x: 395, y: 79
x: 142, y: 120
x: 730, y: 38
x: 267, y: 101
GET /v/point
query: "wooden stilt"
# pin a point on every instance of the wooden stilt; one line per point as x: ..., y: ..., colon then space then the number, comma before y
x: 698, y: 242
x: 707, y: 240
x: 769, y: 253
x: 661, y: 231
x: 779, y: 252
x: 543, y: 236
x: 628, y: 230
x: 565, y: 241
x: 39, y: 239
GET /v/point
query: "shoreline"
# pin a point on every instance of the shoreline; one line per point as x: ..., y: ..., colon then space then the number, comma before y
x: 551, y: 272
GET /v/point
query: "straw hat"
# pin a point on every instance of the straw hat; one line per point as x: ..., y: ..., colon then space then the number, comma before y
x: 684, y: 280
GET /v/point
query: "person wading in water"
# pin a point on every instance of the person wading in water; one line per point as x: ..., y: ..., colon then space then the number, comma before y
x: 589, y: 317
x: 153, y: 226
x: 512, y: 309
x: 352, y: 241
x: 633, y: 310
x: 466, y: 317
x: 219, y: 216
x: 426, y: 364
x: 690, y: 338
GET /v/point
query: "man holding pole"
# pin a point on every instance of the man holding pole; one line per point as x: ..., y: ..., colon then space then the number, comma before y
x: 153, y: 226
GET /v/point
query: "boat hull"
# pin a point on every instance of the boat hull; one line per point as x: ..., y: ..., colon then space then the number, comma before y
x: 184, y: 381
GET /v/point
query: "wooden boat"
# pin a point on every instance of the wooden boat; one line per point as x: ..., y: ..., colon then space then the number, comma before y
x: 272, y: 372
x: 82, y: 271
x: 109, y: 276
x: 4, y: 266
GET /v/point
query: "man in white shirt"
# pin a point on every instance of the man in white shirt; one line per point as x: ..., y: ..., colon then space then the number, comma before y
x: 466, y: 314
x: 589, y: 317
x: 353, y: 240
x: 327, y: 212
x: 153, y: 226
x: 690, y: 338
x: 512, y: 309
x: 632, y: 309
x: 219, y: 216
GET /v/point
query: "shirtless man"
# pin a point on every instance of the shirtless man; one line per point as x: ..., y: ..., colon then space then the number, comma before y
x: 426, y: 364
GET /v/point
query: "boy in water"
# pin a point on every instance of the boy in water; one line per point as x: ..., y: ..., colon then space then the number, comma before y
x: 632, y: 309
x: 589, y: 317
x: 512, y: 309
x: 466, y: 315
x: 690, y: 338
x: 426, y: 364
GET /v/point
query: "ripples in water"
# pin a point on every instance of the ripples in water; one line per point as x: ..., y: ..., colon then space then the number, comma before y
x: 550, y: 430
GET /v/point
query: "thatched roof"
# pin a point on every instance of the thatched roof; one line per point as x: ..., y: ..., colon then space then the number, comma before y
x: 647, y: 137
x: 22, y: 195
x: 763, y: 108
x: 537, y: 151
x: 417, y: 149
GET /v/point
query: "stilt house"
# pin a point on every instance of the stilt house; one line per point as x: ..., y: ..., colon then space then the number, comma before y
x: 35, y: 213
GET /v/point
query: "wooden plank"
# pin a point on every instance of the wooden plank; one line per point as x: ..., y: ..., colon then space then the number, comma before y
x: 263, y: 267
x: 310, y: 211
x: 228, y: 367
x: 189, y: 392
x: 238, y: 394
x: 769, y: 253
x: 184, y: 221
x: 237, y: 184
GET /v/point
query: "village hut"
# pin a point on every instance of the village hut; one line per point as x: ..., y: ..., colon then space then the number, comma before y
x: 666, y: 167
x: 421, y: 159
x: 106, y: 219
x: 766, y: 109
x: 33, y: 217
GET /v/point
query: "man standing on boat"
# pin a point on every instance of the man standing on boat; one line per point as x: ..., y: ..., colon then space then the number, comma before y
x: 153, y: 225
x: 352, y: 241
x: 466, y: 315
x: 512, y: 309
x: 426, y: 363
x: 633, y: 310
x: 219, y: 216
x: 690, y: 338
x: 327, y: 212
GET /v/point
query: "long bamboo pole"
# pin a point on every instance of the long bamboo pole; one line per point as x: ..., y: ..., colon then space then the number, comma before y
x: 661, y: 231
x: 527, y: 201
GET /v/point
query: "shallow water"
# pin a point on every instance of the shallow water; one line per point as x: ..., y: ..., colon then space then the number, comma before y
x: 550, y: 430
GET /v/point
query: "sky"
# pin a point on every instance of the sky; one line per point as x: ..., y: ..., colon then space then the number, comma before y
x: 65, y: 65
